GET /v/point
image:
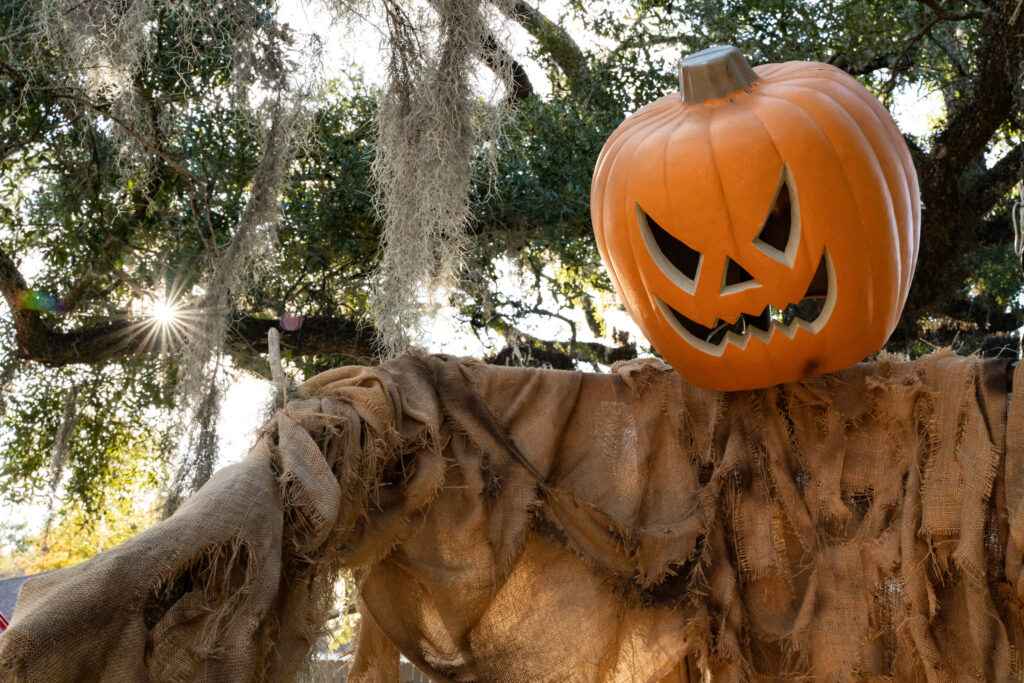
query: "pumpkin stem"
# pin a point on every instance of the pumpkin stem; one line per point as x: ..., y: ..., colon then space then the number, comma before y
x: 712, y: 73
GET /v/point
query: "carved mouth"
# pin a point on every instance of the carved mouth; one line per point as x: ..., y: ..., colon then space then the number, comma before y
x: 810, y: 313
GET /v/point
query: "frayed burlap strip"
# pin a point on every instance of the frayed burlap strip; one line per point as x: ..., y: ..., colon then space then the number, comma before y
x: 528, y: 525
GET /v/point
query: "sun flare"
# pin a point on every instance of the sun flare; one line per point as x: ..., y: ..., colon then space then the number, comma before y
x: 164, y: 313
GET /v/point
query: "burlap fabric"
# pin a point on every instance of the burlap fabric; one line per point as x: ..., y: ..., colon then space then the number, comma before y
x: 525, y: 525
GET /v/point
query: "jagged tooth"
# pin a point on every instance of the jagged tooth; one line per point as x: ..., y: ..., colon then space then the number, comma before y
x: 737, y: 340
x: 788, y: 330
x: 763, y: 335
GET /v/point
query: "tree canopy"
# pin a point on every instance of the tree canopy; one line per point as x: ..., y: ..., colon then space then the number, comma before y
x: 177, y: 157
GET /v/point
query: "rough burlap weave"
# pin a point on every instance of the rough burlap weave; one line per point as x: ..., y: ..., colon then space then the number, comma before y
x: 527, y: 525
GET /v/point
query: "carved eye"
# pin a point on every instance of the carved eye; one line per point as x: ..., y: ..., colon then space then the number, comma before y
x: 780, y: 235
x: 678, y: 260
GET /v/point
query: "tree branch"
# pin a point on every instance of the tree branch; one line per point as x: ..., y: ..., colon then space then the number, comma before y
x: 564, y: 52
x: 30, y: 331
x: 247, y: 337
x: 317, y: 335
x: 558, y: 355
x: 59, y: 93
x: 993, y: 185
x: 900, y: 60
x: 952, y: 218
x: 988, y: 100
x: 197, y: 189
x: 944, y: 15
x: 37, y: 341
x: 508, y: 69
x: 872, y: 65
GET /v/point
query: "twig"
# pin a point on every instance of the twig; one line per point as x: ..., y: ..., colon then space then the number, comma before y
x: 194, y: 182
x: 945, y: 15
x: 276, y: 370
x: 891, y: 83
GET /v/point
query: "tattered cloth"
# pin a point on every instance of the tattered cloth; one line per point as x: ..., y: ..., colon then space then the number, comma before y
x: 528, y: 525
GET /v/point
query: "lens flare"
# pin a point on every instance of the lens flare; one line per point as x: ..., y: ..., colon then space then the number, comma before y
x: 290, y: 322
x: 164, y: 313
x: 33, y: 300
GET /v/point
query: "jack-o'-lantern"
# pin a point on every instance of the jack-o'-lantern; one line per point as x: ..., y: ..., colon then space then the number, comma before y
x: 762, y: 226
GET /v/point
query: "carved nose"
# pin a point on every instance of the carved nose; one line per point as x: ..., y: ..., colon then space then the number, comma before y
x: 735, y: 278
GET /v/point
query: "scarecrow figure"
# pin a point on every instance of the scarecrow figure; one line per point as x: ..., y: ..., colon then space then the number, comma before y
x: 512, y: 524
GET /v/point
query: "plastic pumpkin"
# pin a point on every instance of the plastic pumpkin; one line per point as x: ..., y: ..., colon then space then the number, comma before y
x: 761, y: 227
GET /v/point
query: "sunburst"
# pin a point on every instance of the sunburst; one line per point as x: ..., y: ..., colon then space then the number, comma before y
x: 162, y: 323
x: 165, y: 313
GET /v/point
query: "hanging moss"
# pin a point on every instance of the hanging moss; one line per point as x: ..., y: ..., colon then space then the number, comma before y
x: 429, y: 124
